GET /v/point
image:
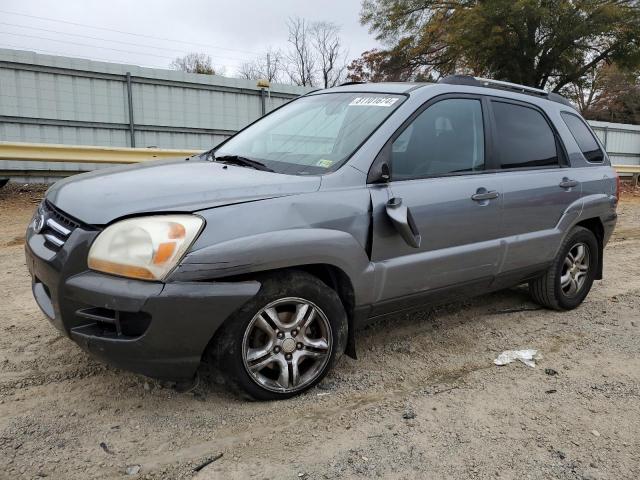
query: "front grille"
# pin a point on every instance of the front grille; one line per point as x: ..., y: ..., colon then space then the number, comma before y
x: 58, y: 226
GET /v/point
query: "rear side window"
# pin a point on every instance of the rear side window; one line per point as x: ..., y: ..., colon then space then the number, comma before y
x: 524, y: 139
x: 584, y: 138
x: 447, y: 138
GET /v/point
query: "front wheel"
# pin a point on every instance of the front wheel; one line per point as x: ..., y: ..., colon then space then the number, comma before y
x: 285, y: 339
x: 569, y: 279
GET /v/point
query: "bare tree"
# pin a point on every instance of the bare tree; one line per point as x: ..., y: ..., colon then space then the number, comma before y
x: 194, y: 63
x: 301, y: 60
x: 268, y: 66
x: 331, y: 56
x: 249, y: 70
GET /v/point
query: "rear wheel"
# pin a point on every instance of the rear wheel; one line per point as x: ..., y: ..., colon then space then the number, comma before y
x: 569, y: 279
x: 285, y: 339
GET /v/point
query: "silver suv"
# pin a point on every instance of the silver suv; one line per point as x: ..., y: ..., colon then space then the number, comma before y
x: 261, y: 256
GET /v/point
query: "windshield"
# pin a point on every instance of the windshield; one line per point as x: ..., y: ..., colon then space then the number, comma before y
x: 313, y: 134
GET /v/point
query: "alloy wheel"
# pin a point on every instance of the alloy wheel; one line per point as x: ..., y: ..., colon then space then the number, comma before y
x: 287, y: 345
x: 575, y: 269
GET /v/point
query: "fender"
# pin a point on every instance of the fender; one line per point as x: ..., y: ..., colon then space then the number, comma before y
x: 601, y: 208
x: 599, y: 205
x: 282, y: 249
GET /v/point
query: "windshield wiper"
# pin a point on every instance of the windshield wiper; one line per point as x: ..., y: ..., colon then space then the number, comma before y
x: 242, y: 161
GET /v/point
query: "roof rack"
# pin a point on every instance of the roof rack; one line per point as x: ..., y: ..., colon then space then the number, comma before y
x: 514, y: 87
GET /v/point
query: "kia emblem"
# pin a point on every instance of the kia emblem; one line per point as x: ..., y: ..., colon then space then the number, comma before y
x: 38, y: 223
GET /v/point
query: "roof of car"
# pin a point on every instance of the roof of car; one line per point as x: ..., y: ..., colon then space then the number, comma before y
x: 461, y: 80
x: 382, y: 87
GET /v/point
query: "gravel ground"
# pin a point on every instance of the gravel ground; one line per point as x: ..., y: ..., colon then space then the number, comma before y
x: 423, y: 400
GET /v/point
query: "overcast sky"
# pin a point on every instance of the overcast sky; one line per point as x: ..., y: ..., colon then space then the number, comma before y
x: 231, y: 31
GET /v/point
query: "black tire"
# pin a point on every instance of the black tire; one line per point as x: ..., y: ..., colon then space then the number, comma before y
x: 547, y: 290
x: 226, y: 354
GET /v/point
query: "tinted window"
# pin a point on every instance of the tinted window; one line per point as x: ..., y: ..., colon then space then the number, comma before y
x: 523, y: 137
x: 584, y: 138
x: 447, y: 137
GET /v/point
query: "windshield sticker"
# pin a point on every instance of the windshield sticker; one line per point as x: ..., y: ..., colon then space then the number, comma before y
x: 373, y: 101
x: 324, y: 163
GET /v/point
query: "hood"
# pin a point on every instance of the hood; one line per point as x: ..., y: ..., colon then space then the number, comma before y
x: 102, y: 196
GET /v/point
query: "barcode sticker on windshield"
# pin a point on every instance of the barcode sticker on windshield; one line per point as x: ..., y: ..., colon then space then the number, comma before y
x: 373, y: 101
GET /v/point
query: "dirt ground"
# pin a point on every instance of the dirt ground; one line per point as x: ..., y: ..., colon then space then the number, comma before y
x: 424, y: 399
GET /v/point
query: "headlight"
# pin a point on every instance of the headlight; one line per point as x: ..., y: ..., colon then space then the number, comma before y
x: 144, y: 247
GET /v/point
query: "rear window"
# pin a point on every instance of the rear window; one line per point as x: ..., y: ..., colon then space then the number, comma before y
x: 584, y: 138
x: 524, y: 139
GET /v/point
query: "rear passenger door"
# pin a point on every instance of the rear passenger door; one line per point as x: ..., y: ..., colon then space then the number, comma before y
x: 538, y: 187
x: 437, y: 161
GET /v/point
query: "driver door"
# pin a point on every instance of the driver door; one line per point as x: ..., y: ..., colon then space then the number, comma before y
x: 439, y: 181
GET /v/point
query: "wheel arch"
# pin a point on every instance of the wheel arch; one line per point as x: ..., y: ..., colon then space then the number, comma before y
x: 336, y: 279
x: 331, y: 275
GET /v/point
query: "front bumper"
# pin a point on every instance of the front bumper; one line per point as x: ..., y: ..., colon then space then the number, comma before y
x: 153, y: 328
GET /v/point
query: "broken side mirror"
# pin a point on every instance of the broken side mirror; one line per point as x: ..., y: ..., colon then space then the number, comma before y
x: 403, y: 222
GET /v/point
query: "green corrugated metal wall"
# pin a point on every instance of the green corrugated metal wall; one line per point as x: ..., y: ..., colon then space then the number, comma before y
x: 52, y: 99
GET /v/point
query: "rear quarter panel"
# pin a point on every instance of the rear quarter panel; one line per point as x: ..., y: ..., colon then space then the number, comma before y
x: 597, y: 180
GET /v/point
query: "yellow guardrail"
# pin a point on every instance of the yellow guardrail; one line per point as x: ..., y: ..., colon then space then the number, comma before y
x: 47, y: 152
x: 634, y: 170
x: 627, y: 168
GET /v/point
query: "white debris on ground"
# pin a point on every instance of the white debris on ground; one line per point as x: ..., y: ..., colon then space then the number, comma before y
x: 132, y: 470
x: 528, y: 357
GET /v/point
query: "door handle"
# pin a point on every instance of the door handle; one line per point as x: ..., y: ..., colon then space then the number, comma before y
x: 567, y: 183
x: 403, y: 222
x: 483, y: 194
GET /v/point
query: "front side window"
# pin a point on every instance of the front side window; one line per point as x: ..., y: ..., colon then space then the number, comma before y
x: 584, y: 138
x: 523, y: 138
x: 448, y: 137
x: 313, y: 134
